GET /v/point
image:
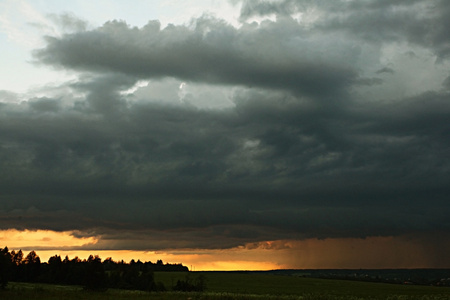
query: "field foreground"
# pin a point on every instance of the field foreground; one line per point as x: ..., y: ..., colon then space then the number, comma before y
x: 239, y: 286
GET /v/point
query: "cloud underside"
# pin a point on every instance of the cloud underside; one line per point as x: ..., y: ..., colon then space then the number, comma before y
x: 320, y: 132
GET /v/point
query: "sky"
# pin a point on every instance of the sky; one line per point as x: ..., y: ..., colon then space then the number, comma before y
x: 240, y: 134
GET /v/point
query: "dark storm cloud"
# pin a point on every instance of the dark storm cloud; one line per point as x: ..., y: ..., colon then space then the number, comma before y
x: 276, y: 55
x: 267, y: 169
x: 419, y: 21
x: 304, y: 152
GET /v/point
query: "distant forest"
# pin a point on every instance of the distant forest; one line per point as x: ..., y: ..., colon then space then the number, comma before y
x: 91, y: 273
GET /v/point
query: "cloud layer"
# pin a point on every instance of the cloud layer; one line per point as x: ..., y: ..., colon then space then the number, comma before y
x: 329, y: 126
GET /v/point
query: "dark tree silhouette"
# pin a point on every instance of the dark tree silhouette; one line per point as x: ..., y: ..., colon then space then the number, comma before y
x: 17, y: 272
x: 95, y: 276
x: 17, y: 257
x: 55, y: 270
x: 32, y: 266
x: 92, y: 273
x: 5, y: 266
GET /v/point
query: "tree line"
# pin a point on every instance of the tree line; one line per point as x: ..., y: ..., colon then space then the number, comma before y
x: 91, y: 273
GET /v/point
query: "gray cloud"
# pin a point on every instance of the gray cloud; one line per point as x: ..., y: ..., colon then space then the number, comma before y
x: 446, y: 83
x: 7, y: 96
x: 269, y: 168
x: 301, y: 150
x: 385, y: 70
x: 69, y: 22
x: 420, y: 21
x: 277, y: 55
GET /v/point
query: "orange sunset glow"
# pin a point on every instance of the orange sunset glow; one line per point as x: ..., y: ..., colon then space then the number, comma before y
x: 36, y: 239
x: 374, y: 252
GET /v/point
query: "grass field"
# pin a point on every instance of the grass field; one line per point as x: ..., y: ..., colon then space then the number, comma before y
x: 268, y: 284
x: 239, y: 286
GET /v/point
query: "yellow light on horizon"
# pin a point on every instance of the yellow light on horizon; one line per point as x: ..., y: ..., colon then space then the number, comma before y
x: 370, y: 252
x: 42, y: 239
x: 48, y: 243
x: 212, y: 262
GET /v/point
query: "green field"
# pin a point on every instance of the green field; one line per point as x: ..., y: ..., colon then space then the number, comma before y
x: 268, y: 284
x: 239, y: 286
